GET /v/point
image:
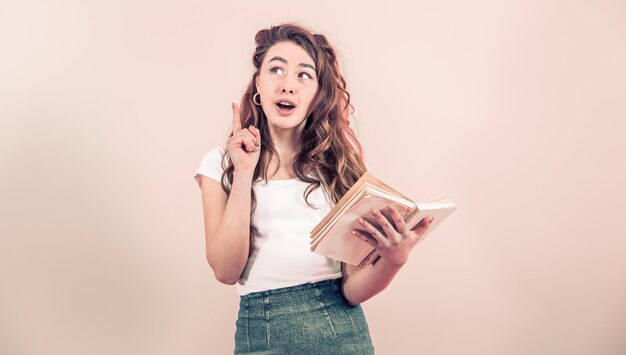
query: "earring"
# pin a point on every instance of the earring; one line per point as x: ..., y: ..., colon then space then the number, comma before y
x: 254, y: 99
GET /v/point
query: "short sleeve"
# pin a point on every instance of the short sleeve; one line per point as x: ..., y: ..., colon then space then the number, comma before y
x: 211, y: 165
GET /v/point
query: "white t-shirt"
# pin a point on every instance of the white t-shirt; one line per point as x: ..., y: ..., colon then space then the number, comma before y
x: 281, y: 255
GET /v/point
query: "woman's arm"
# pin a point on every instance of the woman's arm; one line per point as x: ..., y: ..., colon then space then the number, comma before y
x: 362, y: 283
x: 227, y: 226
x: 227, y: 217
x: 393, y: 245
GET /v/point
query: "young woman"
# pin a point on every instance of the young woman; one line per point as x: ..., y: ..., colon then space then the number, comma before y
x: 290, y: 158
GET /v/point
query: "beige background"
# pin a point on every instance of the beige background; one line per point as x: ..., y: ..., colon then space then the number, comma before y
x: 515, y: 109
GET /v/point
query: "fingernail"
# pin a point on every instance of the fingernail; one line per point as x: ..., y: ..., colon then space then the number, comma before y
x: 361, y: 220
x: 376, y: 212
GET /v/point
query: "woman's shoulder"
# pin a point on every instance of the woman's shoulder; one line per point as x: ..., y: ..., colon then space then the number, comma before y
x: 211, y: 164
x: 217, y: 150
x: 214, y: 155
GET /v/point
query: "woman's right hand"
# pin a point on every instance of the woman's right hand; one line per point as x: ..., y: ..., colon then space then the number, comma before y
x: 244, y: 147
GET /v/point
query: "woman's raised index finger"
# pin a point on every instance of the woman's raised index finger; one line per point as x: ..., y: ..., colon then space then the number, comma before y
x: 236, y: 118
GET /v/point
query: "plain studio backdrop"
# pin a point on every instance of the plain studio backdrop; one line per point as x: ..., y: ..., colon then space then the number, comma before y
x: 515, y: 109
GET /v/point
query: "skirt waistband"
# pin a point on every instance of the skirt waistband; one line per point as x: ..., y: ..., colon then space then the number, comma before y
x: 331, y: 283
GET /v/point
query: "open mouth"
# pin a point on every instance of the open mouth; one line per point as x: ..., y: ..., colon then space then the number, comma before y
x: 285, y: 107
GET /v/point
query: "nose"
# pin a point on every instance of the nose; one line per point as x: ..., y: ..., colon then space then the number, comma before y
x: 287, y: 85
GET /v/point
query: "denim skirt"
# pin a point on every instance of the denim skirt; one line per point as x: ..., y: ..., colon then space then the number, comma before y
x: 312, y: 318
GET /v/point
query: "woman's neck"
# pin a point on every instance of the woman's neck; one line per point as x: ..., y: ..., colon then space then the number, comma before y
x: 286, y: 143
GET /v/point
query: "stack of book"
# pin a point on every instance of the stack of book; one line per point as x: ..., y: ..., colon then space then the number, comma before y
x: 332, y: 237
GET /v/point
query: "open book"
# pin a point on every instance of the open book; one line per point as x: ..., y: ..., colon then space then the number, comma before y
x: 332, y: 237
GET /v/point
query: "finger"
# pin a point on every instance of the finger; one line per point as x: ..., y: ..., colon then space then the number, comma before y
x: 390, y: 231
x: 398, y: 220
x: 249, y: 137
x: 248, y: 132
x: 244, y: 132
x: 365, y: 237
x: 375, y: 232
x: 423, y: 226
x: 236, y: 118
x: 256, y: 132
x: 249, y: 143
x: 244, y: 138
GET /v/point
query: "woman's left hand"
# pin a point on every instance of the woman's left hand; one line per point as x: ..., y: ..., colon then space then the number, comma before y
x: 395, y: 244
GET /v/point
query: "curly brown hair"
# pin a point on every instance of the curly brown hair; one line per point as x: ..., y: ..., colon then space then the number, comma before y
x: 330, y: 154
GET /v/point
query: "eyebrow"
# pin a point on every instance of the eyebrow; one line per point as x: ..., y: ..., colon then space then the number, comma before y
x: 281, y: 59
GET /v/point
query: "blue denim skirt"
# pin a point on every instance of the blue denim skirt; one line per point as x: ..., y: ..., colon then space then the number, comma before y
x: 312, y: 318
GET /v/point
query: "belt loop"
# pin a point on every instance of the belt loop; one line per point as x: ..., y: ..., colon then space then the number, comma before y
x: 266, y: 308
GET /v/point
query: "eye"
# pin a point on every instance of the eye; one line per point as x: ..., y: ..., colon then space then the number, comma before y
x: 307, y: 74
x: 276, y: 69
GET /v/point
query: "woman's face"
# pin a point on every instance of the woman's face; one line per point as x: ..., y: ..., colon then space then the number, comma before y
x: 287, y: 84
